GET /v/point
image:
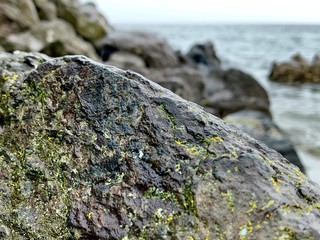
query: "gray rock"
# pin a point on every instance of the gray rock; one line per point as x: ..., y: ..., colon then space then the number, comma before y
x: 126, y: 60
x: 235, y: 90
x: 204, y: 54
x: 184, y: 81
x: 155, y: 51
x: 87, y: 21
x: 50, y: 37
x: 16, y: 15
x: 47, y: 10
x: 260, y: 126
x: 130, y: 159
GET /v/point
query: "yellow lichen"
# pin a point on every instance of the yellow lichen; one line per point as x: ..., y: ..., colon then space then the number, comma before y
x: 229, y: 198
x: 253, y: 206
x: 276, y: 183
x: 269, y: 204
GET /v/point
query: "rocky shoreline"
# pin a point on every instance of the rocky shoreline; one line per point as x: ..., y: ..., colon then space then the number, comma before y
x: 89, y: 151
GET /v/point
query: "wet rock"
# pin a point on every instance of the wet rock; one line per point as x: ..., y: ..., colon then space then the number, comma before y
x: 50, y: 37
x: 87, y: 21
x: 129, y: 159
x: 260, y: 126
x: 297, y: 70
x: 154, y: 50
x: 235, y: 90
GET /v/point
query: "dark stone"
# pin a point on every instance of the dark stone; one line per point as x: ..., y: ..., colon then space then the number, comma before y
x: 235, y: 90
x: 89, y: 151
x: 204, y: 54
x: 260, y: 126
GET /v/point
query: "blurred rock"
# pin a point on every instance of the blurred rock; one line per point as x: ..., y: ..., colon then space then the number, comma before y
x: 126, y: 60
x: 297, y: 70
x: 50, y: 37
x: 261, y: 127
x: 155, y: 51
x: 235, y: 90
x: 87, y: 21
x: 47, y: 10
x: 204, y: 55
x: 16, y: 16
x: 185, y: 81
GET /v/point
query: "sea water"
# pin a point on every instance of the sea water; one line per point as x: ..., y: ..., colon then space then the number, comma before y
x: 253, y: 49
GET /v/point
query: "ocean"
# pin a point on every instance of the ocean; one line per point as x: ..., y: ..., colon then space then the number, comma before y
x: 253, y: 49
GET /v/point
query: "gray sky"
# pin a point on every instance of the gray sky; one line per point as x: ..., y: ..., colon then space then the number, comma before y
x: 210, y: 11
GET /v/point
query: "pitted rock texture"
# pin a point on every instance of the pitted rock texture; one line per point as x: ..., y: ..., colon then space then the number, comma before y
x: 89, y: 151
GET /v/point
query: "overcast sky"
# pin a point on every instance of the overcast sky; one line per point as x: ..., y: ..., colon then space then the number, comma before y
x: 210, y: 11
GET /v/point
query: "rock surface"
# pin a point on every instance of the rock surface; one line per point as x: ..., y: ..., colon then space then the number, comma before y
x: 297, y: 70
x: 54, y: 27
x: 87, y: 21
x: 154, y: 50
x: 50, y: 37
x: 237, y: 90
x: 260, y: 126
x: 204, y: 54
x: 89, y: 151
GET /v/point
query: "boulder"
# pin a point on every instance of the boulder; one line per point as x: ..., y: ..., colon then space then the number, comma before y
x: 126, y: 60
x: 50, y: 37
x: 155, y: 51
x: 185, y: 81
x: 89, y: 151
x: 16, y: 16
x: 235, y: 90
x: 297, y: 70
x: 260, y: 126
x: 47, y: 10
x: 204, y: 55
x: 87, y: 21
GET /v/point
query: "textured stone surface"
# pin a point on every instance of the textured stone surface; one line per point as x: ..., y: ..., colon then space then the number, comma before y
x: 88, y: 151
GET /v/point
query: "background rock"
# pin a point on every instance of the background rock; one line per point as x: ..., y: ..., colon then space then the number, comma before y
x: 50, y: 37
x: 203, y: 54
x: 297, y: 70
x: 87, y: 21
x: 90, y: 151
x: 237, y: 90
x: 47, y: 10
x: 260, y: 126
x: 154, y: 50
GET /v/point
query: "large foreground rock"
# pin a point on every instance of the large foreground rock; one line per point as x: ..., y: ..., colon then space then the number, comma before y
x: 89, y: 151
